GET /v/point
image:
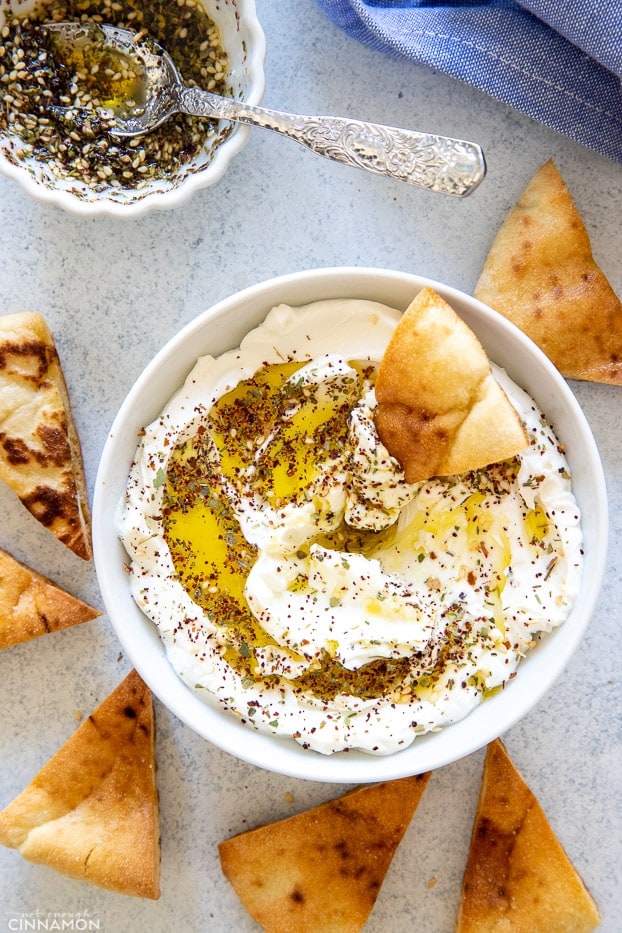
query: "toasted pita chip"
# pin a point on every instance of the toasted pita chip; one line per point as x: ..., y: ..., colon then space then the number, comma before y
x: 92, y: 811
x: 440, y: 409
x: 31, y: 605
x: 518, y: 878
x: 40, y: 456
x: 322, y: 869
x: 540, y: 273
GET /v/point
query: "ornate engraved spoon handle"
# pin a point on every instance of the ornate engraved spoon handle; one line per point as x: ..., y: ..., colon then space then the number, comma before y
x: 440, y: 163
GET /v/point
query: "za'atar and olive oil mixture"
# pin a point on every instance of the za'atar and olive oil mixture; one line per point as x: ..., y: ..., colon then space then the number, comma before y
x: 60, y: 111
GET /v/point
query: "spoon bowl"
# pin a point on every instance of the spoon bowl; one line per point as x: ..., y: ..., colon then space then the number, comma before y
x: 153, y: 97
x: 439, y: 163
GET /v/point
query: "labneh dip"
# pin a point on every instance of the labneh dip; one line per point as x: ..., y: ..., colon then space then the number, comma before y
x: 297, y: 579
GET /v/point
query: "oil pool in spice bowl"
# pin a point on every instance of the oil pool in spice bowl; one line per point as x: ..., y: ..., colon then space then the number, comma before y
x: 55, y: 110
x: 297, y: 578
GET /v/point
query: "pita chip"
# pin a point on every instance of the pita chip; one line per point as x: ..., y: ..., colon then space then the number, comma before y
x: 518, y: 878
x: 440, y: 409
x: 322, y: 869
x: 40, y: 455
x: 541, y: 275
x: 31, y: 605
x: 92, y: 811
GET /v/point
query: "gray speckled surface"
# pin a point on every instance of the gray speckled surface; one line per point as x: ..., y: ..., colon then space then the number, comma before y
x: 114, y: 292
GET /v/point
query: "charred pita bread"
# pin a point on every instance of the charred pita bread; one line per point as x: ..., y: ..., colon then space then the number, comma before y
x: 40, y: 456
x: 31, y: 605
x: 322, y: 869
x: 540, y: 273
x: 440, y: 409
x: 518, y: 877
x: 92, y: 811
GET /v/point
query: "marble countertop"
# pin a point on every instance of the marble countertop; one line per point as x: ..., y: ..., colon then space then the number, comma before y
x: 113, y: 293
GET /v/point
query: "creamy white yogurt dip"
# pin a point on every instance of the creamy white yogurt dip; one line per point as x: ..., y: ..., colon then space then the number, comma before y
x: 292, y: 573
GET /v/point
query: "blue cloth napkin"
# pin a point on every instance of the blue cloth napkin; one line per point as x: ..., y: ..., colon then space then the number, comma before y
x: 559, y: 61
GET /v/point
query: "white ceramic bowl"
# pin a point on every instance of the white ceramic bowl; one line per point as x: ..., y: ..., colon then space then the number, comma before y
x: 244, y: 41
x: 221, y: 328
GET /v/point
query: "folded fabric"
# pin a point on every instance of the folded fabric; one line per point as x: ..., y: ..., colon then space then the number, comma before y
x: 559, y: 61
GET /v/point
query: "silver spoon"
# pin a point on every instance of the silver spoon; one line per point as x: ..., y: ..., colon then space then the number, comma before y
x: 439, y: 163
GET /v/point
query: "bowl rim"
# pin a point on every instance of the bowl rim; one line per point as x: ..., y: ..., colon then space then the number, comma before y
x: 175, y: 197
x: 138, y: 635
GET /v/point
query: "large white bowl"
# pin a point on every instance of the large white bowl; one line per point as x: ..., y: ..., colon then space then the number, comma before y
x: 221, y: 328
x: 243, y: 40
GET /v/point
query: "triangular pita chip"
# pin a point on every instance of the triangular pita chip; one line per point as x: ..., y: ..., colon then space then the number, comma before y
x: 322, y: 869
x: 31, y: 605
x: 440, y: 409
x: 518, y: 877
x: 540, y: 273
x: 92, y: 811
x: 40, y: 456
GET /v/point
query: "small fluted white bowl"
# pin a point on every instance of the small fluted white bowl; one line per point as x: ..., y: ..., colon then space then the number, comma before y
x: 222, y: 328
x: 244, y: 41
